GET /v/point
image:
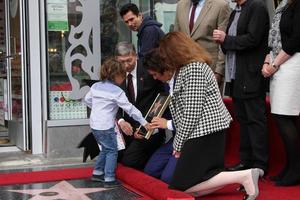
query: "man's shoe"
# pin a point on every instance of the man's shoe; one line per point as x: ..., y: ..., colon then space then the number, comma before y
x: 112, y: 184
x: 98, y: 178
x: 238, y: 167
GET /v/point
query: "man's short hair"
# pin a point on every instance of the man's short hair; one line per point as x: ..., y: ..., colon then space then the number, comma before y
x: 129, y: 7
x: 124, y: 48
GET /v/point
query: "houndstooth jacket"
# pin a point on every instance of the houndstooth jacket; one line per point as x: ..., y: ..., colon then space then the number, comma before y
x: 196, y: 105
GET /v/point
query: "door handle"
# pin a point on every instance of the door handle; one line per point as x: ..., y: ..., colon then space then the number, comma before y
x: 10, y: 56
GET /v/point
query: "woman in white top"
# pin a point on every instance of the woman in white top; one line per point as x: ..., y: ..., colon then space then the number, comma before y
x: 105, y: 98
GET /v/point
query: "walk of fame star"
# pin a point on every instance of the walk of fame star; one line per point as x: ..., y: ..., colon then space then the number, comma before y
x: 62, y: 190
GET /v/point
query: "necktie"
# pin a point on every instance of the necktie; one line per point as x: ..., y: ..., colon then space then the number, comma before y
x: 130, y: 88
x: 167, y: 87
x: 191, y: 24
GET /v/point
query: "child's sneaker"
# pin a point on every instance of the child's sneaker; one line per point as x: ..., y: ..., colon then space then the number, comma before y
x: 112, y: 184
x: 98, y: 178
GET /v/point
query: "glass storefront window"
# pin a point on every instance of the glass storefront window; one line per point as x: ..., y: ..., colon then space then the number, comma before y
x: 61, y: 14
x: 165, y: 12
x: 78, y: 41
x: 81, y: 34
x: 3, y: 71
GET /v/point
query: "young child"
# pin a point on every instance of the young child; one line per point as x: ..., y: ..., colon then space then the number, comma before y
x: 105, y: 98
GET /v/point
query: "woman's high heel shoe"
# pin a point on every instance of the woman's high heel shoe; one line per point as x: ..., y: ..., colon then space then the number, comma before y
x: 249, y: 197
x: 255, y: 174
x: 242, y: 188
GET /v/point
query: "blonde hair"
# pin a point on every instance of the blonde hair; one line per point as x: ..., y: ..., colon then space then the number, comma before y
x: 176, y: 49
x: 111, y: 68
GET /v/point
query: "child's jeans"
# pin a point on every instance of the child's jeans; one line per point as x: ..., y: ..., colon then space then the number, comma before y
x: 106, y: 162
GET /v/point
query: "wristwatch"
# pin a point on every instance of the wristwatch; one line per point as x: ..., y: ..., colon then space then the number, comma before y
x: 274, y: 66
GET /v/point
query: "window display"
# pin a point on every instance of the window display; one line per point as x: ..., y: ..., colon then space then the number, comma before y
x: 81, y: 34
x: 77, y: 42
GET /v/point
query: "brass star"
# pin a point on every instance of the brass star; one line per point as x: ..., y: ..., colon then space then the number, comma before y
x: 62, y: 190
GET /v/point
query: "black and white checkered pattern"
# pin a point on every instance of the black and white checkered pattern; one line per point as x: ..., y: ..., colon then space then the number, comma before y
x: 196, y: 106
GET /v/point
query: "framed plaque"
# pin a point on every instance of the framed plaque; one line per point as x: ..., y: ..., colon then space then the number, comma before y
x: 157, y: 109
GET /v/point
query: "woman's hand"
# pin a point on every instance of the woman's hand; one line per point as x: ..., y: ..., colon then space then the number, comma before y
x: 268, y: 70
x: 158, y: 122
x: 176, y: 154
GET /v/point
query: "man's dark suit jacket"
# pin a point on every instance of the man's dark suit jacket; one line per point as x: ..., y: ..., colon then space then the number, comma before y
x: 138, y: 151
x: 147, y: 90
x: 251, y: 47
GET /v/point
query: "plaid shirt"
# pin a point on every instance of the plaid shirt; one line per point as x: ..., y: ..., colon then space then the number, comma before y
x: 196, y: 106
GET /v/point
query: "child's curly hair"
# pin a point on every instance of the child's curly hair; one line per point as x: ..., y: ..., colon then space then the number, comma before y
x: 111, y: 68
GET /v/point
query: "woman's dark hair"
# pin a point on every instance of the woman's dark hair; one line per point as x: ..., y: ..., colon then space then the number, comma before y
x: 129, y: 7
x: 152, y: 61
x: 111, y: 68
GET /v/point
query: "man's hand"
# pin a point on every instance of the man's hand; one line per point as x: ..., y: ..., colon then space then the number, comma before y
x: 158, y: 122
x: 137, y: 135
x: 126, y: 128
x: 219, y: 36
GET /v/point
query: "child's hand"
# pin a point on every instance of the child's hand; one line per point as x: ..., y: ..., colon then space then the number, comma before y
x: 147, y: 126
x: 158, y: 122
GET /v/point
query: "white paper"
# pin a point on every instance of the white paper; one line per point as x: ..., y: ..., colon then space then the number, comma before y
x: 120, y: 139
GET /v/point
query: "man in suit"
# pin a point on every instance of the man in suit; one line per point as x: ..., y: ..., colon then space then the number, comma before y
x: 198, y: 19
x: 245, y: 44
x: 141, y: 89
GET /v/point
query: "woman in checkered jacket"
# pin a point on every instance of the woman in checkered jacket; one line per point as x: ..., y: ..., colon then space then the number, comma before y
x: 200, y: 118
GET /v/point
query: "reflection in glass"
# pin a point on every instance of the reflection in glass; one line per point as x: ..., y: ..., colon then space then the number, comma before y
x: 165, y: 11
x: 73, y: 58
x: 16, y: 61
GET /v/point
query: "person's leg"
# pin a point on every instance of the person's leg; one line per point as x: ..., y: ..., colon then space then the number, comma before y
x: 282, y: 173
x: 168, y: 171
x: 248, y: 178
x: 109, y: 143
x: 289, y: 132
x: 139, y: 151
x: 257, y: 131
x: 100, y: 162
x: 206, y: 192
x: 245, y: 147
x: 159, y: 160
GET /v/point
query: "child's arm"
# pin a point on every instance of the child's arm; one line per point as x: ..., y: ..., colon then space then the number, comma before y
x: 130, y: 109
x: 88, y: 99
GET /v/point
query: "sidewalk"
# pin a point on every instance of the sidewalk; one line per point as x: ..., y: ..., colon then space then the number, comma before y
x: 22, y: 161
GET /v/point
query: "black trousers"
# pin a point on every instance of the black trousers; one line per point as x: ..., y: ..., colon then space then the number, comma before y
x: 138, y: 151
x: 251, y: 115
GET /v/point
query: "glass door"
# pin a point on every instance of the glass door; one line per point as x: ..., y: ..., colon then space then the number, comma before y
x: 13, y: 89
x: 4, y: 139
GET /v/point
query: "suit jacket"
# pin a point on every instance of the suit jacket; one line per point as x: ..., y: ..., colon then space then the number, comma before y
x: 147, y: 90
x: 251, y: 47
x: 196, y: 106
x: 214, y: 15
